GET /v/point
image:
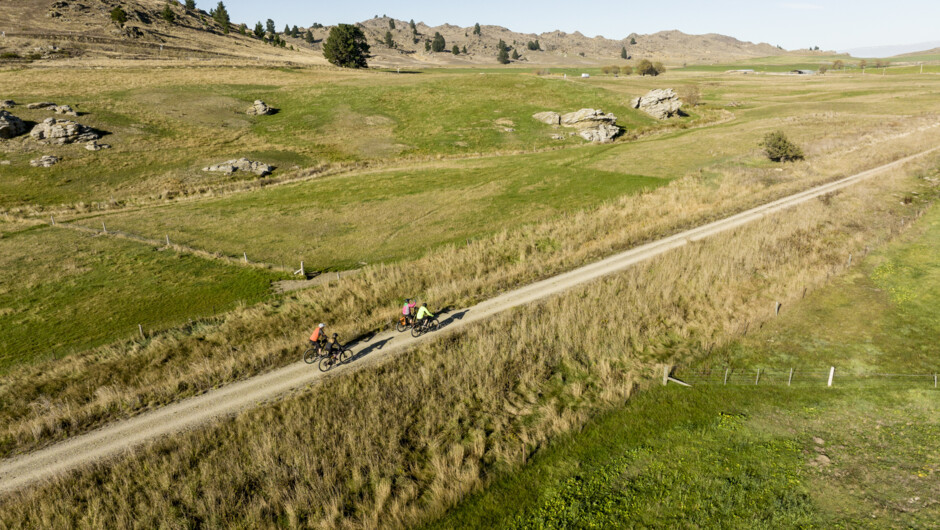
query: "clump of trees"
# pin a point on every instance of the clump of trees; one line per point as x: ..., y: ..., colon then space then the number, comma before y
x: 502, y: 55
x: 779, y: 148
x: 645, y: 67
x: 534, y: 45
x: 346, y: 46
x: 191, y: 5
x: 476, y: 28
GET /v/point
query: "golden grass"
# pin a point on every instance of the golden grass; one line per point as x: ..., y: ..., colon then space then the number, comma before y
x: 398, y: 443
x: 53, y: 400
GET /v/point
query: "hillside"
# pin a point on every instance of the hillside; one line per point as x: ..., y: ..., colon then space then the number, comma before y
x: 70, y: 29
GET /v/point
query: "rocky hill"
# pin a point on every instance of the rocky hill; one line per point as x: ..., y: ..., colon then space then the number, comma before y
x: 57, y: 29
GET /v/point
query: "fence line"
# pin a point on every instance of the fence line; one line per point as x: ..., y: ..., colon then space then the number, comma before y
x: 761, y: 376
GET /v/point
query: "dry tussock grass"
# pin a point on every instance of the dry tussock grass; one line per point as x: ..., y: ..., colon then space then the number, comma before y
x: 56, y: 399
x: 397, y: 443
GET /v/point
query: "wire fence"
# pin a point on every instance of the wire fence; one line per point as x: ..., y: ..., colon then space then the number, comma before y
x: 831, y: 377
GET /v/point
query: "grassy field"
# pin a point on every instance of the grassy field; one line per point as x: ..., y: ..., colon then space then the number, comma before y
x: 163, y: 131
x: 861, y: 454
x: 442, y: 418
x: 64, y: 291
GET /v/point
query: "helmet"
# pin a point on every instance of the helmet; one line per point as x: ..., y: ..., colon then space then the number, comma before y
x: 423, y: 304
x: 322, y: 325
x: 335, y: 335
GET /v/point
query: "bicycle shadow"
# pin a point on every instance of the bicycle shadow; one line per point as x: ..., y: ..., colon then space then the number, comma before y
x: 453, y: 318
x: 369, y: 349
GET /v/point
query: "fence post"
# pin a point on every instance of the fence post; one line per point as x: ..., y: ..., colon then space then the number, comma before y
x: 104, y: 228
x: 245, y: 255
x: 141, y: 329
x: 832, y: 372
x: 302, y: 273
x: 726, y: 375
x: 665, y: 374
x: 776, y: 308
x: 758, y: 377
x: 51, y: 218
x: 168, y: 240
x: 935, y: 380
x: 790, y: 379
x: 850, y: 260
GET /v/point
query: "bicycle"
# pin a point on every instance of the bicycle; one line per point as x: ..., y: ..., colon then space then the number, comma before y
x: 337, y: 354
x: 425, y: 326
x: 313, y: 353
x: 404, y: 323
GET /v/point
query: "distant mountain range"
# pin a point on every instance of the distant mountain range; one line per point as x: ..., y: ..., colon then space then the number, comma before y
x: 893, y: 50
x: 53, y: 29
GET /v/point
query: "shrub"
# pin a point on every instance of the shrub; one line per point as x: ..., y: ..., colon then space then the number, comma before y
x: 346, y: 47
x: 118, y: 15
x: 780, y: 149
x: 515, y: 55
x: 191, y: 5
x: 391, y: 23
x: 476, y: 28
x: 823, y: 69
x: 645, y: 67
x: 660, y: 69
x: 503, y: 56
x: 626, y: 70
x: 534, y: 45
x: 438, y: 44
x: 623, y: 52
x: 455, y: 50
x: 691, y: 95
x: 167, y: 14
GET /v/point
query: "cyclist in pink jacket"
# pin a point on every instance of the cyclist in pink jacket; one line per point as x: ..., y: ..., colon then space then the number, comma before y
x: 408, y: 310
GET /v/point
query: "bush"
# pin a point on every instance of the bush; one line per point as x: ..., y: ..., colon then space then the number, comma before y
x: 346, y: 46
x: 645, y: 67
x: 455, y: 50
x: 626, y: 70
x: 503, y: 56
x: 118, y: 15
x: 779, y: 149
x: 438, y: 44
x: 191, y: 5
x: 691, y: 95
x: 167, y: 14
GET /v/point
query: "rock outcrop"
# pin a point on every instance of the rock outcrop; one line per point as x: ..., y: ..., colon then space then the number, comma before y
x: 46, y: 161
x: 10, y: 125
x: 242, y: 164
x: 64, y: 109
x: 549, y: 117
x: 7, y: 103
x: 41, y: 105
x: 59, y: 132
x: 260, y: 108
x: 95, y: 146
x: 659, y: 103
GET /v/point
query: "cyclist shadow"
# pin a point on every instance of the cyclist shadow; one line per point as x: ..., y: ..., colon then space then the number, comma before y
x: 453, y: 318
x: 370, y: 348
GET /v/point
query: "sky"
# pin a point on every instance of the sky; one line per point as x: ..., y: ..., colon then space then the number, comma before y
x: 829, y: 24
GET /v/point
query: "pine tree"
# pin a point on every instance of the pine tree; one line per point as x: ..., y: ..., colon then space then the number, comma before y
x: 191, y: 5
x: 168, y: 14
x: 118, y: 15
x: 308, y: 37
x: 346, y: 46
x: 259, y: 30
x: 476, y: 28
x: 414, y: 28
x: 438, y: 44
x: 464, y: 50
x: 388, y: 39
x: 501, y: 46
x: 221, y: 16
x: 243, y: 29
x: 286, y: 29
x: 269, y: 27
x: 632, y: 41
x: 515, y: 55
x: 391, y: 23
x: 502, y: 56
x: 623, y: 52
x: 427, y: 45
x: 455, y: 50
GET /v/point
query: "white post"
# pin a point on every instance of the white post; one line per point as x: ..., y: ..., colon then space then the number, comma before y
x: 302, y: 270
x: 168, y: 240
x: 726, y: 375
x: 51, y: 218
x: 790, y: 379
x: 850, y: 260
x: 141, y: 329
x: 758, y: 377
x: 935, y: 380
x: 245, y: 255
x: 104, y: 228
x: 832, y: 372
x: 665, y: 374
x: 776, y: 308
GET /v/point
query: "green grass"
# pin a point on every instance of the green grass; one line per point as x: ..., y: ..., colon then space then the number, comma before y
x: 64, y: 291
x: 768, y: 456
x: 335, y: 223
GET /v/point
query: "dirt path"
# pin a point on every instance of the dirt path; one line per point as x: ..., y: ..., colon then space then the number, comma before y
x: 122, y: 436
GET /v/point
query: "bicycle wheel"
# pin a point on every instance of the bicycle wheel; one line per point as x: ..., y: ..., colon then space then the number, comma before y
x: 345, y: 355
x: 417, y: 330
x: 400, y: 327
x: 326, y: 363
x: 311, y: 356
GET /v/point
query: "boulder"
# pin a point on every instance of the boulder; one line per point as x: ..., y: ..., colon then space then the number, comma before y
x: 549, y: 117
x: 659, y: 103
x: 7, y: 103
x: 41, y: 105
x: 59, y: 132
x: 64, y: 109
x: 241, y: 164
x: 95, y: 146
x: 585, y: 118
x: 10, y: 125
x: 602, y: 133
x: 46, y: 161
x: 260, y: 109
